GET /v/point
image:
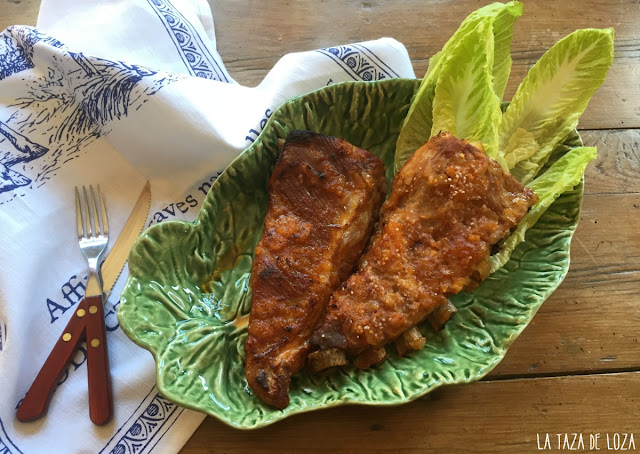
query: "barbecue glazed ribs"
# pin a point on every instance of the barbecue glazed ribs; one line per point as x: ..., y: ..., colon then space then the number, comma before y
x: 324, y: 198
x: 448, y: 205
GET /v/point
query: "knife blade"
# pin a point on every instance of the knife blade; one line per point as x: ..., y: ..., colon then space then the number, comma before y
x: 117, y: 257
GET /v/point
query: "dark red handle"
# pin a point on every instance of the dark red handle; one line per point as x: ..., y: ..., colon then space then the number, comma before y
x: 87, y: 323
x: 36, y: 402
x: 100, y: 397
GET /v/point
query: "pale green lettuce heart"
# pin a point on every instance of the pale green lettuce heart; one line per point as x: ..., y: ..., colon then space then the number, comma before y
x: 464, y: 103
x: 553, y: 95
x: 189, y: 281
x: 522, y: 145
x: 418, y: 123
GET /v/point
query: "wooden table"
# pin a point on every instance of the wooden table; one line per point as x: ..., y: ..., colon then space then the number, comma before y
x: 575, y: 368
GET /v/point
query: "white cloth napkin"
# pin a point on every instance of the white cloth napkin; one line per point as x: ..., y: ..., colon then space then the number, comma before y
x: 115, y: 93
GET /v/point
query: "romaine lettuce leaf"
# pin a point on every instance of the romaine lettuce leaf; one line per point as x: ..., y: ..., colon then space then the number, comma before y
x: 522, y: 145
x: 417, y: 125
x: 552, y: 97
x: 502, y: 36
x: 464, y: 103
x: 562, y: 176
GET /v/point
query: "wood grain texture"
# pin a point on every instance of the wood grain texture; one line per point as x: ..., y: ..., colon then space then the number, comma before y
x: 18, y: 12
x: 617, y: 167
x: 280, y: 27
x: 485, y: 417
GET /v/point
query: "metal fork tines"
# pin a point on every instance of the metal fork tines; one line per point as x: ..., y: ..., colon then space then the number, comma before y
x: 94, y: 240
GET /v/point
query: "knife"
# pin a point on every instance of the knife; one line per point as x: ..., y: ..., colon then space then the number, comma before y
x: 115, y: 261
x: 37, y: 399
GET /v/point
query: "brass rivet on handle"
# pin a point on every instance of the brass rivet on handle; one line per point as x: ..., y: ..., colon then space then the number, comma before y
x: 93, y: 309
x: 66, y: 337
x: 95, y: 343
x: 80, y: 313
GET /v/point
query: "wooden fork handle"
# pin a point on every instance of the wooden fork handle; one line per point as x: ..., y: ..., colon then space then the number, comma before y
x: 87, y: 323
x: 100, y: 395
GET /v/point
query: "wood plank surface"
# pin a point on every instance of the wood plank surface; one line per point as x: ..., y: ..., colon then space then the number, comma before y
x: 253, y: 35
x: 18, y: 12
x: 617, y: 167
x: 485, y: 417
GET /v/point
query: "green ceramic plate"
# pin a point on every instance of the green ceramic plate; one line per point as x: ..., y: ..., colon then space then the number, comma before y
x: 189, y: 282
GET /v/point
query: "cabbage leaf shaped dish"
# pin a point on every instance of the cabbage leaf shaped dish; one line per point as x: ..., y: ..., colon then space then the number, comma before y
x: 188, y: 292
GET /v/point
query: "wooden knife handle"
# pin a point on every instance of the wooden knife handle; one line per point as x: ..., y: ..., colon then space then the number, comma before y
x: 87, y: 323
x: 36, y: 402
x: 100, y: 396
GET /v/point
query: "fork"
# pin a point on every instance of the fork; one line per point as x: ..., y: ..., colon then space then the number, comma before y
x: 86, y: 324
x: 92, y: 244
